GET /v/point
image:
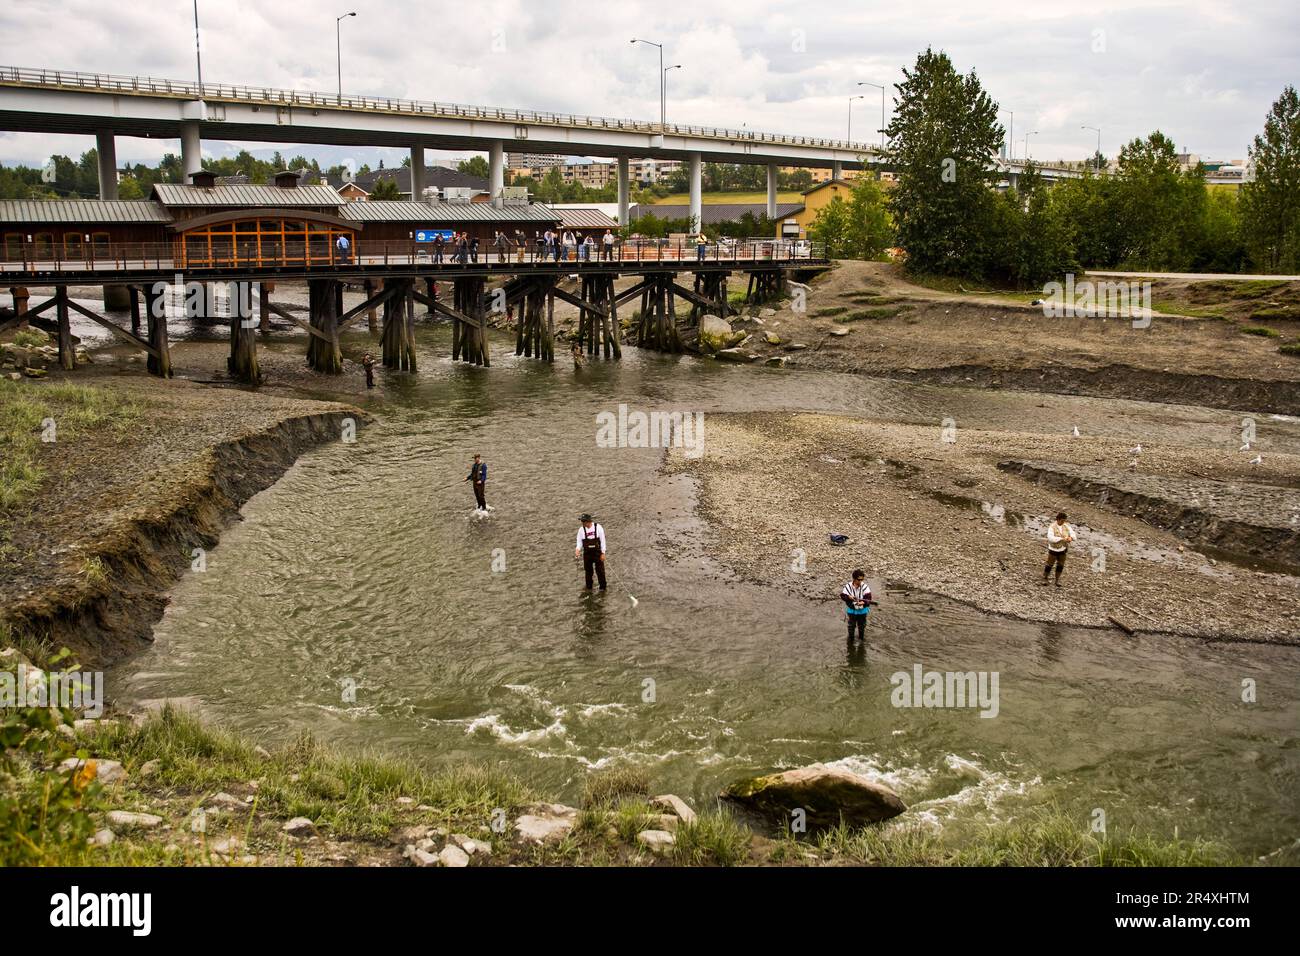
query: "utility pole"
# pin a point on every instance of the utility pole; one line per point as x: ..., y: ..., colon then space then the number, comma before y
x: 879, y: 86
x: 198, y: 56
x: 338, y: 47
x: 662, y: 98
x: 848, y: 137
x: 1097, y: 158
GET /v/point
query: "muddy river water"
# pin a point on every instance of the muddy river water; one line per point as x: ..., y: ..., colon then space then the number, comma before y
x: 363, y: 601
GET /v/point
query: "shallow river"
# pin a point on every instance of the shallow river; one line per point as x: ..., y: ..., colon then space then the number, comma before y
x: 365, y: 567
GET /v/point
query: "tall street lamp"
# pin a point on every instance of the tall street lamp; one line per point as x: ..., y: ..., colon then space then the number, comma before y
x: 338, y: 48
x: 1027, y: 135
x: 662, y: 110
x: 1096, y: 130
x: 880, y: 87
x: 848, y: 135
x: 675, y: 66
x: 198, y: 57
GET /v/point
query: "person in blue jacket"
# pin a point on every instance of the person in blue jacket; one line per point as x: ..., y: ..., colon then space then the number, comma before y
x: 478, y: 475
x: 857, y: 603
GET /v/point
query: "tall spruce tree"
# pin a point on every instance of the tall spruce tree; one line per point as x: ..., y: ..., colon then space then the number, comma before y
x: 1270, y: 205
x: 943, y: 136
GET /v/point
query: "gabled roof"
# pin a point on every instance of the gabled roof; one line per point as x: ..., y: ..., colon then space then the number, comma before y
x: 438, y: 176
x: 82, y: 210
x: 829, y: 182
x: 174, y: 194
x: 381, y: 210
x: 584, y: 218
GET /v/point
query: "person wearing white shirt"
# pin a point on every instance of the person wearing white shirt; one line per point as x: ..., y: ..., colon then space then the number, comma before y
x: 857, y: 603
x: 1059, y: 536
x: 590, y: 546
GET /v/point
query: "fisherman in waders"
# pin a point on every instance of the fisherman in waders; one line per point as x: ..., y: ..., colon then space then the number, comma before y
x: 591, y: 548
x: 368, y: 363
x: 478, y: 475
x: 857, y: 604
x: 1059, y: 536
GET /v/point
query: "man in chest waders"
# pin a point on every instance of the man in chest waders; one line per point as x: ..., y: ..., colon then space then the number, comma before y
x: 591, y: 548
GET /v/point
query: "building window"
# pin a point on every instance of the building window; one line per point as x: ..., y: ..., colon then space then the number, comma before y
x: 73, y: 246
x: 14, y: 246
x: 262, y: 242
x: 43, y: 245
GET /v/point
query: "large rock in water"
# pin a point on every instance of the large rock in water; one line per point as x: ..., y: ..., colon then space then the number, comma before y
x: 715, y: 333
x: 825, y: 794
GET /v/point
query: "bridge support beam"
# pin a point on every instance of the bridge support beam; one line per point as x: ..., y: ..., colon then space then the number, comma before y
x: 417, y: 173
x: 242, y: 363
x: 398, y: 338
x: 598, y: 317
x: 496, y: 170
x: 469, y: 331
x: 21, y: 298
x: 323, y: 352
x: 772, y: 174
x: 837, y: 170
x: 155, y: 312
x: 697, y: 208
x: 106, y: 149
x: 657, y: 326
x: 623, y: 191
x: 191, y: 148
x: 67, y: 352
x: 536, y: 334
x: 766, y: 285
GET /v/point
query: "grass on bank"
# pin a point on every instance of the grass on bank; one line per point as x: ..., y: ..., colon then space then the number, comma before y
x: 46, y: 815
x: 26, y: 407
x: 1262, y: 331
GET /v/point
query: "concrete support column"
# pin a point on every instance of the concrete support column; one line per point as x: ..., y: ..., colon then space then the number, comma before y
x: 417, y: 173
x: 496, y: 170
x: 837, y: 170
x: 191, y: 148
x: 623, y: 192
x: 107, y: 150
x: 697, y: 209
x: 771, y: 190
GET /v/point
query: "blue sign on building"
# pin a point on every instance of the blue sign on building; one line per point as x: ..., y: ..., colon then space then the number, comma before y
x: 428, y: 235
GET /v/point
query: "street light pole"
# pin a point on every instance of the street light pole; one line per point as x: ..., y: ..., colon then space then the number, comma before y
x: 198, y: 56
x: 1027, y: 135
x: 880, y: 87
x: 664, y: 92
x: 848, y: 135
x: 338, y: 48
x: 662, y: 97
x: 1097, y: 158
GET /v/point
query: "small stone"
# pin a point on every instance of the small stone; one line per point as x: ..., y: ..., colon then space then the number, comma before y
x: 102, y: 837
x: 262, y: 752
x: 126, y: 820
x: 657, y: 841
x: 453, y: 856
x: 406, y: 801
x: 676, y: 805
x: 424, y: 858
x: 464, y: 842
x: 299, y: 826
x: 225, y: 800
x: 150, y: 767
x: 228, y: 847
x: 410, y: 835
x: 106, y: 772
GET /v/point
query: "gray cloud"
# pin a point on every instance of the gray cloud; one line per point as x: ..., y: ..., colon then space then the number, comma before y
x: 1203, y: 72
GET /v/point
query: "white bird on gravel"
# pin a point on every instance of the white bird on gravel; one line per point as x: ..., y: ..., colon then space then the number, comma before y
x: 1075, y: 433
x: 635, y: 602
x: 1257, y: 460
x: 1244, y: 447
x: 1135, y: 450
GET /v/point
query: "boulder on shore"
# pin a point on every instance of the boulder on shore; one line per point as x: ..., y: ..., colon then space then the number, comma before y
x: 827, y: 795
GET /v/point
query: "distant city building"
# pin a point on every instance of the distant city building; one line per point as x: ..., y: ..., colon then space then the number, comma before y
x: 533, y: 160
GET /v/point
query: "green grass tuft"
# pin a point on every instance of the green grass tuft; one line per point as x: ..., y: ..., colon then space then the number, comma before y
x: 605, y: 788
x: 1261, y: 330
x: 714, y: 838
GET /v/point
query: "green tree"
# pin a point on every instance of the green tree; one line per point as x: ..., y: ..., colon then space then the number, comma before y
x: 1270, y: 205
x: 857, y: 229
x: 474, y: 166
x: 385, y: 188
x: 943, y: 133
x: 1159, y: 209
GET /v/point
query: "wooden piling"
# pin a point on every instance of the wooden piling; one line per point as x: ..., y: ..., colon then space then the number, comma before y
x: 67, y: 352
x: 323, y: 351
x: 155, y: 301
x: 242, y: 363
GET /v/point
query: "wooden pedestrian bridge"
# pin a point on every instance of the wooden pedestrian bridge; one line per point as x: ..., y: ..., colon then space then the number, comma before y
x: 396, y: 276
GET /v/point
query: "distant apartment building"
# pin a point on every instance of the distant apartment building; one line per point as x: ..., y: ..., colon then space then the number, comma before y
x: 533, y: 160
x: 647, y: 172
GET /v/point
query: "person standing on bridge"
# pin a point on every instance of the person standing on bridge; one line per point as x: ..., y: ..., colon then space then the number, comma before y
x: 478, y: 475
x: 607, y: 246
x: 438, y: 244
x: 570, y: 246
x: 701, y: 247
x: 588, y: 249
x: 473, y: 249
x: 344, y: 248
x: 590, y: 546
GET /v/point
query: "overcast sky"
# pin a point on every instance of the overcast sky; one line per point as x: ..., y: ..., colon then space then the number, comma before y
x: 1203, y: 72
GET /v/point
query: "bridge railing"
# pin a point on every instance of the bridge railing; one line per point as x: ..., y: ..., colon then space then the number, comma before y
x: 32, y: 260
x: 146, y: 85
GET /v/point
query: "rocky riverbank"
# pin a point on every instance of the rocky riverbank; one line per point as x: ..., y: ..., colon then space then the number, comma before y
x: 953, y: 514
